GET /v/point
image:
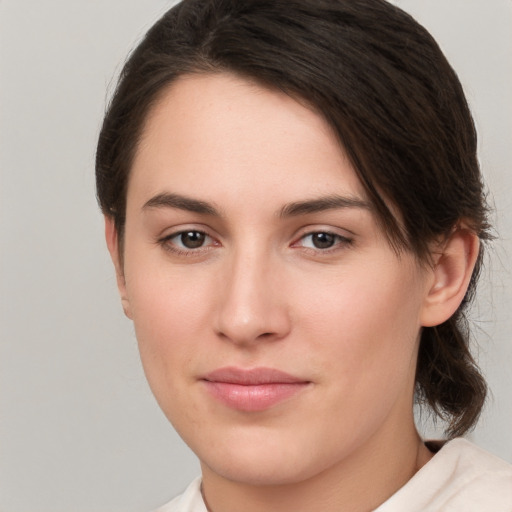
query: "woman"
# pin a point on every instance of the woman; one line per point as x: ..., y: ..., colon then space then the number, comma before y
x: 295, y: 212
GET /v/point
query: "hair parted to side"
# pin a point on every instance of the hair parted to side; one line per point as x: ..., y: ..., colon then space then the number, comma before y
x: 386, y: 89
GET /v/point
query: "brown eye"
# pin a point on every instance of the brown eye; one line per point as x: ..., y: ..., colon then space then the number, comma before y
x: 187, y: 242
x: 323, y: 240
x: 191, y: 239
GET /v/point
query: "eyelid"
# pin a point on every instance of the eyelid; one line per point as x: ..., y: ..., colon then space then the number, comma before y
x: 342, y: 239
x: 166, y: 241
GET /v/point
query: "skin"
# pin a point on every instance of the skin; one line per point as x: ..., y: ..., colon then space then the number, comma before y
x: 257, y: 291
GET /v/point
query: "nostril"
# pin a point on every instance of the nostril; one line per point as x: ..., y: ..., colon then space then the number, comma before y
x: 249, y: 312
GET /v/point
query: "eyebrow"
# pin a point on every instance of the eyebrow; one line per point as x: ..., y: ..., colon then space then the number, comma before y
x: 189, y: 204
x: 332, y: 202
x: 294, y: 209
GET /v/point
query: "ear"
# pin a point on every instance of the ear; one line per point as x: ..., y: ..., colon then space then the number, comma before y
x: 451, y: 274
x: 112, y: 240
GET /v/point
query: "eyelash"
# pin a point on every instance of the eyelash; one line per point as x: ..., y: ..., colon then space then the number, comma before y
x: 339, y: 243
x: 168, y: 245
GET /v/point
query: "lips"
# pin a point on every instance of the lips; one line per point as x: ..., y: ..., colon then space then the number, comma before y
x: 252, y: 390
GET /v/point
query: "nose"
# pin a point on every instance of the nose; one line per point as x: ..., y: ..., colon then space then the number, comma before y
x: 253, y: 305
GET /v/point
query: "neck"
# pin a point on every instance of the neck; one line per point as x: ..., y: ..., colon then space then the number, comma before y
x: 361, y: 482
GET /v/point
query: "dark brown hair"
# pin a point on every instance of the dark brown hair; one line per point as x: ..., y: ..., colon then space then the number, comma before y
x: 385, y: 87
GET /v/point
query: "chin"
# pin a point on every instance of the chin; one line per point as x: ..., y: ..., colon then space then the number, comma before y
x: 263, y: 471
x: 262, y: 458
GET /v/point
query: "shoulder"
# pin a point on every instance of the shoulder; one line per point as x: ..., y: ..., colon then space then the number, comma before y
x: 460, y: 477
x: 190, y: 501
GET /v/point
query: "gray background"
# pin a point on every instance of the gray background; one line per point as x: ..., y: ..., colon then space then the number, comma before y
x: 79, y: 429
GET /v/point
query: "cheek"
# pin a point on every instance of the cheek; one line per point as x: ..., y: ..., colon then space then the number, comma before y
x: 366, y: 326
x: 170, y: 311
x: 363, y: 339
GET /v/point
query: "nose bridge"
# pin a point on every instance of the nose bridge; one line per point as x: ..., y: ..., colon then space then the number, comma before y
x: 252, y: 307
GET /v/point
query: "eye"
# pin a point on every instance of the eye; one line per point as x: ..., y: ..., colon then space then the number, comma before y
x: 190, y: 239
x: 322, y: 240
x: 187, y: 241
x: 319, y: 240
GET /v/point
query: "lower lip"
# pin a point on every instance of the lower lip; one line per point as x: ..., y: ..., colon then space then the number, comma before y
x: 253, y: 398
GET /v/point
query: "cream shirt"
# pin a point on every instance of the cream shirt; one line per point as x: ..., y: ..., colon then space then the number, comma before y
x: 460, y: 478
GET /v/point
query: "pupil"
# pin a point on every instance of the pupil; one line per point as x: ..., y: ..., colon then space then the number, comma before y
x: 192, y: 239
x: 323, y: 240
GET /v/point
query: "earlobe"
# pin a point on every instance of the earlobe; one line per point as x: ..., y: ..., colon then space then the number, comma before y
x: 451, y: 274
x: 112, y: 240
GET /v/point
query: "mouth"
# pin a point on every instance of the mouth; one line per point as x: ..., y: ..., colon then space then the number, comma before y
x: 253, y: 390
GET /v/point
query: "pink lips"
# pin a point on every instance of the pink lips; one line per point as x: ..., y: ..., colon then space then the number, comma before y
x: 252, y: 390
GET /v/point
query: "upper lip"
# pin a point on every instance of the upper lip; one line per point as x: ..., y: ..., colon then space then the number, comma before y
x: 252, y: 376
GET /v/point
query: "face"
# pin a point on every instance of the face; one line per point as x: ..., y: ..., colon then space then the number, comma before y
x: 277, y: 328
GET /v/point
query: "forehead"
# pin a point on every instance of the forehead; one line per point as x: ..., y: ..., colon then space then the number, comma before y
x: 225, y: 139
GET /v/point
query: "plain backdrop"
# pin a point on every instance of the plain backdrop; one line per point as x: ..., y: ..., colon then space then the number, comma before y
x: 79, y: 429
